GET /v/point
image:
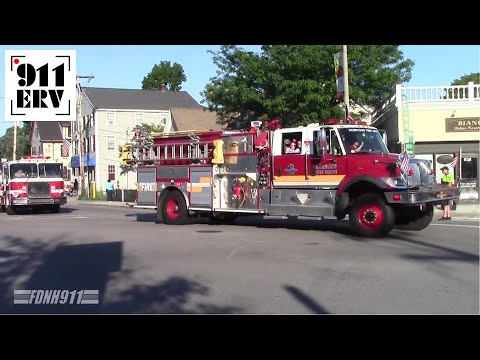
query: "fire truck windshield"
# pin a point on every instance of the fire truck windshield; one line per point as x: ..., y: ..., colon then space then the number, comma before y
x: 362, y: 140
x: 23, y: 170
x: 50, y: 170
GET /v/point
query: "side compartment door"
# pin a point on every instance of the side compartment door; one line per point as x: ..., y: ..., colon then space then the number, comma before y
x: 200, y: 187
x: 328, y: 163
x: 147, y: 186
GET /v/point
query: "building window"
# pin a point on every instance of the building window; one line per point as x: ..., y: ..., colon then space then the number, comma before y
x: 111, y: 142
x: 92, y: 143
x: 67, y: 132
x: 33, y: 151
x: 469, y: 167
x: 139, y: 119
x: 110, y: 118
x: 163, y: 119
x: 111, y: 172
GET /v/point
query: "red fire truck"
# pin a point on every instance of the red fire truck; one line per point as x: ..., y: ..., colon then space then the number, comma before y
x: 328, y: 170
x: 33, y: 182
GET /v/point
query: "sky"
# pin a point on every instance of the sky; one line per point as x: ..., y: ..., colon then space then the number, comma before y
x: 124, y: 66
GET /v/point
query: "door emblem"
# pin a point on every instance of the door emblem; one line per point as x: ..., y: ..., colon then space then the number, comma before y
x: 291, y: 169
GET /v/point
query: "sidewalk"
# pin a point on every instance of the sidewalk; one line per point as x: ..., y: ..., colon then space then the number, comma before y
x: 467, y: 209
x: 463, y: 209
x: 75, y: 201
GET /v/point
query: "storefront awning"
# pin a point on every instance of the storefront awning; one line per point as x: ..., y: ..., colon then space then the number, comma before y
x: 75, y: 161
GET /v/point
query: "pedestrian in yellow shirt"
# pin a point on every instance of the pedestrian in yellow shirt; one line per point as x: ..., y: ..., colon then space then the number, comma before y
x: 447, y: 179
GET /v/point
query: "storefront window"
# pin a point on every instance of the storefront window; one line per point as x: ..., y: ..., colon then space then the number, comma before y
x: 469, y: 167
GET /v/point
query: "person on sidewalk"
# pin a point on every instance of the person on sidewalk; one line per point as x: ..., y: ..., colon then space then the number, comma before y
x: 447, y: 179
x: 75, y: 186
x: 109, y: 189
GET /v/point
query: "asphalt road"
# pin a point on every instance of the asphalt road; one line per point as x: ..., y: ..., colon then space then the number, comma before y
x: 253, y: 267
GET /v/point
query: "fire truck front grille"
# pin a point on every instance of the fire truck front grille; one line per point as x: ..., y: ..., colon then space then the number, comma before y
x: 38, y: 190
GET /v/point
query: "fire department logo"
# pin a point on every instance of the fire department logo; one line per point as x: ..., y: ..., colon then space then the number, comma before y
x: 441, y: 195
x: 291, y: 169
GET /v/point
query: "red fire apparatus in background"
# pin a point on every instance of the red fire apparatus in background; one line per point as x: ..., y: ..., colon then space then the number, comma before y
x: 34, y: 182
x: 328, y: 170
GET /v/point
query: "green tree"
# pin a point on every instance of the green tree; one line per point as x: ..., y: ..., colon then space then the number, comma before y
x: 23, y: 142
x: 296, y: 83
x: 146, y: 130
x: 165, y: 73
x: 465, y: 79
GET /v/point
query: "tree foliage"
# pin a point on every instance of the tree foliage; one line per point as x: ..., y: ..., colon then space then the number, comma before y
x: 465, y: 79
x: 145, y: 129
x: 172, y: 75
x: 297, y: 82
x: 23, y: 141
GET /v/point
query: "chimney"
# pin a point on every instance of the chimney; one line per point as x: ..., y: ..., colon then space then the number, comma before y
x: 163, y: 87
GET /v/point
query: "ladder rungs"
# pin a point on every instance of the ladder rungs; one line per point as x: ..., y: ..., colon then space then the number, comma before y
x: 169, y: 152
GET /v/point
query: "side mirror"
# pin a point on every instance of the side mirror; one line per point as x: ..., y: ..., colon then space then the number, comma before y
x: 321, y: 142
x: 383, y: 133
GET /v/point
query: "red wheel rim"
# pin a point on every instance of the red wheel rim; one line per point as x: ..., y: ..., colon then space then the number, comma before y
x: 370, y: 216
x: 172, y: 209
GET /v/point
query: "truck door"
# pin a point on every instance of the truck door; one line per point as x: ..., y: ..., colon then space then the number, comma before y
x: 327, y: 165
x: 289, y: 163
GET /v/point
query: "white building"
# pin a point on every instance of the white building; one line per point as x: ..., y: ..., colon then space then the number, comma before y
x: 109, y: 116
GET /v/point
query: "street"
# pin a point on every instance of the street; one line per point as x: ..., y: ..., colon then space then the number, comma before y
x: 256, y: 266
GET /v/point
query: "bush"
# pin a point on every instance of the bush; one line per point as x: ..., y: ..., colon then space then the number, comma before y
x: 100, y: 195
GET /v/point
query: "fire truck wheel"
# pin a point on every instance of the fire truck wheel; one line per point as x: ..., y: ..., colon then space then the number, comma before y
x: 10, y: 210
x: 174, y: 209
x: 370, y: 216
x: 2, y: 208
x: 417, y: 220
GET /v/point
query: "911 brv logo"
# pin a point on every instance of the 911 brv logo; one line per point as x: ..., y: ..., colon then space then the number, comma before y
x: 40, y: 85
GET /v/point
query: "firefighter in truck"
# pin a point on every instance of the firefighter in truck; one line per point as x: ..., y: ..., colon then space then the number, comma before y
x: 33, y: 182
x: 319, y: 170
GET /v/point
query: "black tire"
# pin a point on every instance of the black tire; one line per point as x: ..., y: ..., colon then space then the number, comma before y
x: 417, y: 220
x: 174, y: 209
x: 55, y: 209
x: 2, y: 208
x: 370, y: 216
x: 10, y: 210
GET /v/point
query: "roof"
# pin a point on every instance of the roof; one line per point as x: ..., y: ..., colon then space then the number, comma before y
x: 107, y: 98
x: 194, y: 119
x: 49, y: 131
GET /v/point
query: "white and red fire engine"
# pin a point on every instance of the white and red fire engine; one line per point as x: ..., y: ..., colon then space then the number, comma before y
x: 328, y: 170
x: 34, y: 182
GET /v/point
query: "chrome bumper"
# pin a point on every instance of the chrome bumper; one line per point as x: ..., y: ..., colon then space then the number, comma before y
x: 434, y: 194
x: 39, y: 201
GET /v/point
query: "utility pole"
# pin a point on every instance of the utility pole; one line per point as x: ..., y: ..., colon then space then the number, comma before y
x: 80, y: 131
x: 14, y: 151
x: 345, y: 79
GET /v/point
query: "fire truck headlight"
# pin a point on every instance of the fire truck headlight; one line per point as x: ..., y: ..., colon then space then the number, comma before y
x: 395, y: 182
x: 15, y: 194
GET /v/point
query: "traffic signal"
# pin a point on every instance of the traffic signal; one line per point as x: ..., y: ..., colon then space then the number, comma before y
x: 126, y: 158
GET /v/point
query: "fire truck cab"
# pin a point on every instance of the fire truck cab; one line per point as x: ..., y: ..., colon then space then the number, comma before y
x: 34, y: 182
x: 327, y: 170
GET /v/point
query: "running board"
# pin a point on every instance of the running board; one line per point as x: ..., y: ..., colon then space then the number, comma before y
x: 296, y: 210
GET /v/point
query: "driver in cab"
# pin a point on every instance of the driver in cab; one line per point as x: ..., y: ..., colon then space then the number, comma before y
x: 355, y: 145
